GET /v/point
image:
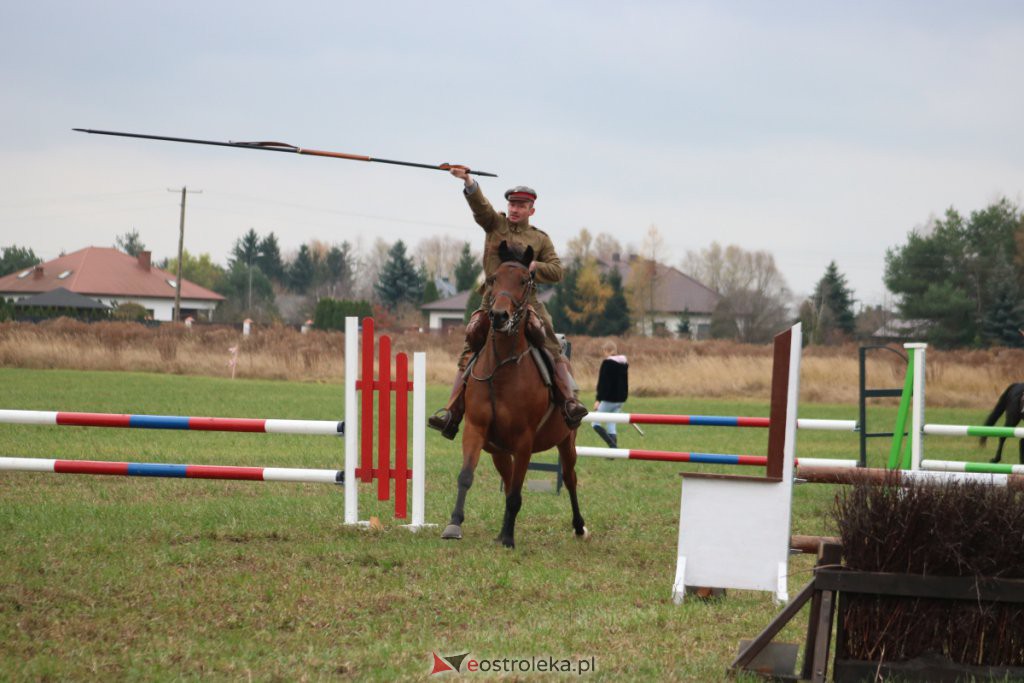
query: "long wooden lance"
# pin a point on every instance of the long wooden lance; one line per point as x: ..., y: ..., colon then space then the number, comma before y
x: 285, y: 147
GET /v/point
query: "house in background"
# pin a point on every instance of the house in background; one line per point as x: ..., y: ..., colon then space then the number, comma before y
x: 64, y: 303
x: 677, y: 297
x: 897, y: 330
x: 449, y: 313
x: 113, y: 277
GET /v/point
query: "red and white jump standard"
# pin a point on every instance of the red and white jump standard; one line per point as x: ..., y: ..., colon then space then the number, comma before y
x: 359, y: 452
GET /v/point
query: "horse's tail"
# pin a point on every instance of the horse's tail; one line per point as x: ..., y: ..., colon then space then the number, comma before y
x: 997, y: 411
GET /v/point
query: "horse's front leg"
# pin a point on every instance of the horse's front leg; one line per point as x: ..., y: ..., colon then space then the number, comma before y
x: 999, y: 450
x: 472, y: 444
x: 514, y: 495
x: 567, y: 456
x: 503, y: 463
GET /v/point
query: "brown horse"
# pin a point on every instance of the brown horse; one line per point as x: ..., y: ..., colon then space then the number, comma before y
x: 509, y: 412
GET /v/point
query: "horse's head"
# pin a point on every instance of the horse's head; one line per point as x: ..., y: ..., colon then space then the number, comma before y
x: 510, y: 287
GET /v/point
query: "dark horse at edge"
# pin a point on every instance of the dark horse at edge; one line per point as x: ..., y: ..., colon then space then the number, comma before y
x: 509, y: 408
x: 1011, y: 403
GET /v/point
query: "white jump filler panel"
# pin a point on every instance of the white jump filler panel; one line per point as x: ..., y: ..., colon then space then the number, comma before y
x: 734, y: 530
x: 733, y: 536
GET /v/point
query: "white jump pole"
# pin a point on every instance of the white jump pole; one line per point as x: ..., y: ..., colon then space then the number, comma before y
x: 917, y: 404
x: 419, y: 440
x: 351, y: 420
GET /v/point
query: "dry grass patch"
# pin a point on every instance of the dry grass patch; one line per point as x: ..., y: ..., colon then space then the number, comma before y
x: 658, y: 367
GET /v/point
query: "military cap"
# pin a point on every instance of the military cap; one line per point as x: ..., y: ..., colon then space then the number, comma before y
x: 521, y: 193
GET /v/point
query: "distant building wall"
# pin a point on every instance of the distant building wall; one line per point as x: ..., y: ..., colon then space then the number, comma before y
x: 668, y: 324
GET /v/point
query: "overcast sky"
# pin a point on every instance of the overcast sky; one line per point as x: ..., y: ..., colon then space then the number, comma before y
x: 817, y: 131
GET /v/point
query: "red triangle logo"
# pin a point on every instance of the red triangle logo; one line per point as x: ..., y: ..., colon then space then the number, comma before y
x: 440, y: 665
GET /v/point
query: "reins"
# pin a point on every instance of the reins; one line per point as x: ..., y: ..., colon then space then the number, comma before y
x: 516, y: 319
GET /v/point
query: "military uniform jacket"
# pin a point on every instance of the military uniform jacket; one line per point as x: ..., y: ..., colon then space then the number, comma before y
x: 499, y: 228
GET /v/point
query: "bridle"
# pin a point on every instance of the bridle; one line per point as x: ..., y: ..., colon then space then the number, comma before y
x: 511, y: 329
x: 518, y: 307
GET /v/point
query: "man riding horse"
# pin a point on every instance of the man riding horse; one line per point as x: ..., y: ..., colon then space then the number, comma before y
x: 515, y: 229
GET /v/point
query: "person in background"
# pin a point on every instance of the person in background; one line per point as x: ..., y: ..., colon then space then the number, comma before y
x: 612, y: 390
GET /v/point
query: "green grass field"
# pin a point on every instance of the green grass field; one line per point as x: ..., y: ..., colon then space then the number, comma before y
x: 133, y: 578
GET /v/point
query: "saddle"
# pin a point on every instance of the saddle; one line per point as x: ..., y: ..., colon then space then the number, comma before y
x: 476, y: 336
x: 541, y: 357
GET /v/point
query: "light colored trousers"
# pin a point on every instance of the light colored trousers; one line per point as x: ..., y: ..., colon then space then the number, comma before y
x: 609, y: 407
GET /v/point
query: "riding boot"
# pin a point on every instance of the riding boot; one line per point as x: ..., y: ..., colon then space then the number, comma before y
x: 605, y: 436
x: 448, y: 418
x: 613, y: 440
x: 572, y: 409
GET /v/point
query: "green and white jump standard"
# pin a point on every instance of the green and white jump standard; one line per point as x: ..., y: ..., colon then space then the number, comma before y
x: 914, y: 398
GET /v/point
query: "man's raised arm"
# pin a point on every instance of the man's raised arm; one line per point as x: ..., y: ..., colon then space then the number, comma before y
x: 483, y: 213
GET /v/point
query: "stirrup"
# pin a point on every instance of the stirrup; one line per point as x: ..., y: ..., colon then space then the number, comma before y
x: 573, y: 419
x: 444, y: 421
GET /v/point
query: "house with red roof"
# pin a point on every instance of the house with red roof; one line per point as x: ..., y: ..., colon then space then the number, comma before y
x: 113, y: 277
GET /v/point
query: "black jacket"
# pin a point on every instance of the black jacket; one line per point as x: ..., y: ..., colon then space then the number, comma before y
x: 613, y: 380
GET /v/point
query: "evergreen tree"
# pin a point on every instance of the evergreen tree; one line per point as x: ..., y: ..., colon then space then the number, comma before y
x: 563, y: 305
x: 833, y: 290
x: 1004, y: 317
x: 15, y: 258
x: 828, y: 314
x: 466, y: 270
x: 301, y: 271
x: 130, y: 243
x: 245, y: 250
x: 330, y: 313
x: 339, y: 270
x: 945, y: 275
x: 399, y: 281
x: 241, y: 284
x: 269, y: 258
x: 323, y: 314
x: 615, y: 320
x: 430, y: 292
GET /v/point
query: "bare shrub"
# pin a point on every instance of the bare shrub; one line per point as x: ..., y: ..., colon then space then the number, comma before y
x: 956, y: 530
x: 167, y: 347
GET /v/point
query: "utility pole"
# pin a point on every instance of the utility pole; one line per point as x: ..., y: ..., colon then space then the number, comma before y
x: 181, y: 249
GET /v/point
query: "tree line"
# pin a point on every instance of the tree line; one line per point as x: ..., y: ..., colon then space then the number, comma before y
x: 960, y: 279
x: 957, y: 281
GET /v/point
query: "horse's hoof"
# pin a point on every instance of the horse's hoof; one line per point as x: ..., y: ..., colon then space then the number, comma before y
x: 585, y: 536
x: 452, y: 532
x: 504, y: 542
